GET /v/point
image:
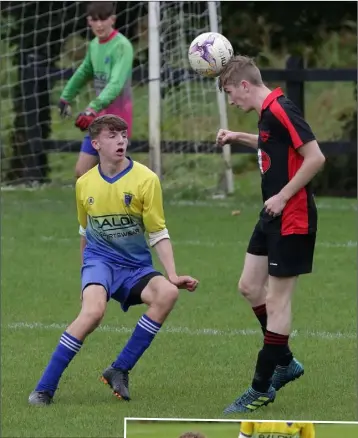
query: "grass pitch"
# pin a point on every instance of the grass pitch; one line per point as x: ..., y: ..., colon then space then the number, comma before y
x: 204, y: 357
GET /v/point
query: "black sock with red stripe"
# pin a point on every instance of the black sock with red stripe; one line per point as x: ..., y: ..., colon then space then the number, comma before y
x: 261, y: 315
x: 274, y: 349
x: 286, y: 355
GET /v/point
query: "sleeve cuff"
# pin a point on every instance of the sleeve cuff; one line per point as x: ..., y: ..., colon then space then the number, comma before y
x: 156, y: 237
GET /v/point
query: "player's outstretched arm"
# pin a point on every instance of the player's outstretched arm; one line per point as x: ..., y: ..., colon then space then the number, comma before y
x: 122, y: 62
x: 154, y: 222
x: 225, y: 137
x: 78, y: 80
x: 165, y: 253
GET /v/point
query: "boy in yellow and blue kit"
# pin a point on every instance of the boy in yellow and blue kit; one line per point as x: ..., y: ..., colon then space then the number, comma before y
x: 118, y: 201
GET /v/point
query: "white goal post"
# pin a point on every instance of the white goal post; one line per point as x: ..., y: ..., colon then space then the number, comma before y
x: 177, y: 113
x: 155, y: 98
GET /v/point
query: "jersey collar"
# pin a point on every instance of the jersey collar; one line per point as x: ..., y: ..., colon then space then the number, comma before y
x: 277, y: 92
x: 119, y: 175
x: 111, y: 36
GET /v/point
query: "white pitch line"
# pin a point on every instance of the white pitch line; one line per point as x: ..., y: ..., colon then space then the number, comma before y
x: 185, y: 331
x: 321, y: 205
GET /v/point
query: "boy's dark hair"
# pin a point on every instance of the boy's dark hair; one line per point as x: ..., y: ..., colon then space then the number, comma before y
x: 101, y: 10
x: 109, y: 121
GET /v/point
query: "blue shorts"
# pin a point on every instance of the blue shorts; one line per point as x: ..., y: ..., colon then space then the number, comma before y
x: 124, y: 285
x: 87, y: 147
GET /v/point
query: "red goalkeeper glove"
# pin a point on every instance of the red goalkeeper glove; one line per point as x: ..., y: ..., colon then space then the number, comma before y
x: 85, y: 119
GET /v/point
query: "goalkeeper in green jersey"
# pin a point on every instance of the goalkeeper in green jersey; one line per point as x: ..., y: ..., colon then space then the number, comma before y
x: 108, y: 62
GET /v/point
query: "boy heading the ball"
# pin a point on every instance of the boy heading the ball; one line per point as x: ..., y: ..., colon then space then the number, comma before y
x: 117, y: 202
x: 282, y: 244
x: 108, y: 62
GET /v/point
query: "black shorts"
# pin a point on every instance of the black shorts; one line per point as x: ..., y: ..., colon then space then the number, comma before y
x: 135, y: 294
x: 288, y: 256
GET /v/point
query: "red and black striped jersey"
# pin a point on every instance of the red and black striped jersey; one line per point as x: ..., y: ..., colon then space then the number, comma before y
x: 282, y: 130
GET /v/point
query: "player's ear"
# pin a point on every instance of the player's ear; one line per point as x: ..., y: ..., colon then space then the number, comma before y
x: 245, y: 85
x: 95, y: 144
x: 113, y: 20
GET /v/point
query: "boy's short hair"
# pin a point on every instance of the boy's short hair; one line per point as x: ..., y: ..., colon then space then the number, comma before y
x: 101, y: 10
x: 108, y: 121
x: 192, y: 435
x: 240, y: 68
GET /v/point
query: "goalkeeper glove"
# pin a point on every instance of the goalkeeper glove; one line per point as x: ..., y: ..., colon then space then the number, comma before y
x: 85, y: 119
x: 64, y: 108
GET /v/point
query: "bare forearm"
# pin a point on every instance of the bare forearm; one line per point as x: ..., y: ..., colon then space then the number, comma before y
x: 83, y: 243
x: 251, y: 140
x: 304, y: 175
x: 164, y: 250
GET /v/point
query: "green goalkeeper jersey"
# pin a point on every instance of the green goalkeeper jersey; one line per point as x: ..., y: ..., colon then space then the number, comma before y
x: 109, y: 63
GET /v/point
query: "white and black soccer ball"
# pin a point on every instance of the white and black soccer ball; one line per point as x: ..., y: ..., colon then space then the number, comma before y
x: 209, y: 53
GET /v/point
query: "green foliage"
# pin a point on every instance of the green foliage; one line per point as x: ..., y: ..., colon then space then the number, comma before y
x: 339, y: 177
x: 289, y: 26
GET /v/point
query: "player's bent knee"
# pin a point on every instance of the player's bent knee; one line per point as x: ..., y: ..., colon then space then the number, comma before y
x: 172, y: 295
x: 167, y: 296
x: 92, y: 317
x: 247, y: 289
x: 94, y: 303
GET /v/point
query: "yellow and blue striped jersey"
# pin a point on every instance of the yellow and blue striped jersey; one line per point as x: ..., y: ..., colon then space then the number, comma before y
x: 277, y: 430
x: 116, y: 212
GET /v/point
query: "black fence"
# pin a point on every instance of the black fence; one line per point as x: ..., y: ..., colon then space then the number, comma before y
x: 295, y: 76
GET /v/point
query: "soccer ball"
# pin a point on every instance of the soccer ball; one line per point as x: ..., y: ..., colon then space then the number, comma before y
x: 209, y: 53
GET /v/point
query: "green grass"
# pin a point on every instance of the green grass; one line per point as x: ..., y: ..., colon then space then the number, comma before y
x: 142, y: 429
x: 187, y: 373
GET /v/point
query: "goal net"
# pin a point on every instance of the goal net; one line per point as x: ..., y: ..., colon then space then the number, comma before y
x: 42, y: 43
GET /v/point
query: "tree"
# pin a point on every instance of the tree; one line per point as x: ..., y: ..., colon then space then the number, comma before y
x: 289, y: 25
